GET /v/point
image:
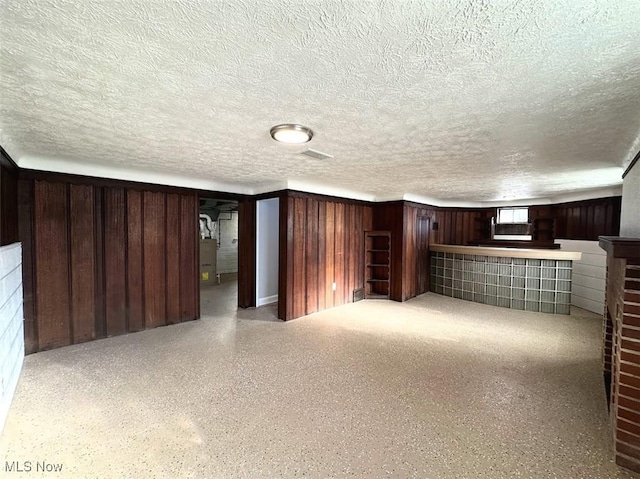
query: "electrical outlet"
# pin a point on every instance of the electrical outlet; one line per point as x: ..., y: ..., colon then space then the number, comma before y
x: 334, y: 286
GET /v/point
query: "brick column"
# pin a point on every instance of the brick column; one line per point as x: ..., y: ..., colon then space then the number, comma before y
x: 607, y: 352
x: 622, y: 346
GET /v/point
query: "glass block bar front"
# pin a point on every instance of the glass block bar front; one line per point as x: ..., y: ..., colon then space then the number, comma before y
x: 529, y: 284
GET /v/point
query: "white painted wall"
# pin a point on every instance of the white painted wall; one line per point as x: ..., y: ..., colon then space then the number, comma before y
x: 11, y: 325
x: 267, y: 241
x: 589, y: 275
x: 227, y: 259
x: 630, y: 215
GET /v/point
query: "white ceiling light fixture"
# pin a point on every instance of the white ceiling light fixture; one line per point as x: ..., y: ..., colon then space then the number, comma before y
x: 291, y: 133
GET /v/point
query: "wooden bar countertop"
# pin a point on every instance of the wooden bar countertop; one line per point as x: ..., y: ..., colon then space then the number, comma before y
x: 508, y: 252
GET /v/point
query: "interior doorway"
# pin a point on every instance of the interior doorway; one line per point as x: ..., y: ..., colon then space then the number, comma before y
x: 267, y: 251
x: 218, y: 227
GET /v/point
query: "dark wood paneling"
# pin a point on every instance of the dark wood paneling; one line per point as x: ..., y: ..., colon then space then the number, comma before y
x: 311, y: 256
x: 114, y: 261
x: 299, y: 266
x: 83, y: 266
x: 411, y: 234
x: 410, y: 248
x: 189, y: 264
x: 8, y: 205
x: 322, y: 255
x: 329, y: 254
x: 422, y: 257
x: 173, y: 258
x: 587, y: 220
x: 285, y: 267
x: 101, y: 261
x: 100, y: 322
x: 339, y: 255
x: 455, y: 226
x: 390, y: 217
x: 25, y: 232
x: 135, y: 282
x: 52, y: 285
x: 154, y: 235
x: 322, y: 243
x: 98, y: 183
x: 351, y: 259
x: 247, y: 253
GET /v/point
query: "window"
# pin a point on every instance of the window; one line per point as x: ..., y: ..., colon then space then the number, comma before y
x: 513, y: 215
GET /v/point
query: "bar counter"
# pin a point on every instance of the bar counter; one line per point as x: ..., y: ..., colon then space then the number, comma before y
x: 518, y: 278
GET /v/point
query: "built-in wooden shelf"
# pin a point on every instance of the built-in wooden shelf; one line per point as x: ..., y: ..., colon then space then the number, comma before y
x: 544, y: 229
x: 377, y: 296
x: 377, y: 266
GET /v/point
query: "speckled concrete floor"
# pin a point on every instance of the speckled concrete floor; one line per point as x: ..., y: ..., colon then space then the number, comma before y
x: 432, y: 388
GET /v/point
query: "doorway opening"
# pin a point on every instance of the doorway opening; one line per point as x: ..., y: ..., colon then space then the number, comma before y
x: 267, y: 251
x: 218, y: 219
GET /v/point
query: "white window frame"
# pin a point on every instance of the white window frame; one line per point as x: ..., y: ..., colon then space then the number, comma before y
x: 500, y: 218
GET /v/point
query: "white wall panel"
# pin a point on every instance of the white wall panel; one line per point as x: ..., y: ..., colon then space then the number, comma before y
x: 589, y: 275
x: 11, y: 325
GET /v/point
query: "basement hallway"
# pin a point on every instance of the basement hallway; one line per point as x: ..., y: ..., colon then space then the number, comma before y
x: 431, y: 388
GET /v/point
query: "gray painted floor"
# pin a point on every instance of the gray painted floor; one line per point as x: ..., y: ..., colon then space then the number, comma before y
x: 432, y: 388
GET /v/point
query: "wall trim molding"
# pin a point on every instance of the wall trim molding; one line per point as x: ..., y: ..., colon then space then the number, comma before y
x: 30, y: 166
x: 136, y: 185
x: 267, y: 300
x: 631, y: 165
x: 7, y: 162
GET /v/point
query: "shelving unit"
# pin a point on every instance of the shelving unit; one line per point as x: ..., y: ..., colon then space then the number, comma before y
x: 377, y: 264
x: 544, y: 229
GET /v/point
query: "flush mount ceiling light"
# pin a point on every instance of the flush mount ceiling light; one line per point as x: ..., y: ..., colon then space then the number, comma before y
x: 291, y: 133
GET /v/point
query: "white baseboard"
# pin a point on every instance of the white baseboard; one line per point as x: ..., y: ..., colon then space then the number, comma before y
x: 267, y: 300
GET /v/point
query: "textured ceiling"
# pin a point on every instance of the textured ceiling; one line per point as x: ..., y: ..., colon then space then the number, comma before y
x: 450, y: 101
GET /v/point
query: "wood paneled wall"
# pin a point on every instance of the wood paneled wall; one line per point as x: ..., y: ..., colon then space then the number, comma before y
x: 8, y: 200
x: 101, y: 261
x: 247, y: 253
x: 455, y: 226
x: 321, y: 243
x: 586, y: 220
x: 415, y: 262
x: 390, y: 217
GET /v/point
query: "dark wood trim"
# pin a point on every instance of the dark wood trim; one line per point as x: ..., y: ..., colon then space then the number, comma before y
x: 397, y: 203
x: 428, y: 206
x: 341, y: 235
x: 589, y: 202
x: 7, y: 162
x: 100, y: 326
x: 25, y: 230
x: 619, y: 247
x: 269, y: 195
x: 69, y: 264
x: 115, y: 183
x: 413, y: 204
x: 247, y: 253
x: 127, y: 312
x: 285, y: 260
x: 9, y: 216
x: 320, y: 197
x: 631, y: 165
x: 196, y: 265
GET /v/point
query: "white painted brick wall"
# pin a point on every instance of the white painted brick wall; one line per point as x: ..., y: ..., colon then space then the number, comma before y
x: 589, y: 275
x: 11, y: 325
x: 228, y: 251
